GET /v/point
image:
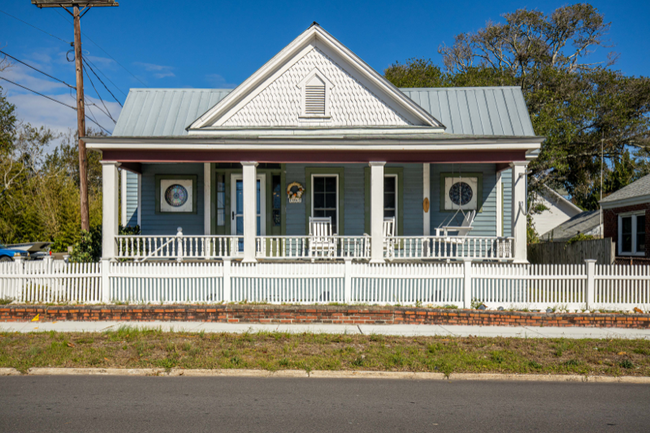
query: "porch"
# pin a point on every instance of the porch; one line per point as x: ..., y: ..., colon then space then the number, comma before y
x: 247, y: 212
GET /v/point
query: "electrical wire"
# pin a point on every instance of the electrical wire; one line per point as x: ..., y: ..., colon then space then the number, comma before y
x: 52, y: 99
x: 105, y: 52
x: 105, y: 76
x: 100, y: 80
x: 37, y: 70
x: 31, y: 25
x: 107, y: 112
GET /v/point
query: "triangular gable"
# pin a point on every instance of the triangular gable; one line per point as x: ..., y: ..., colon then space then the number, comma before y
x: 274, y: 96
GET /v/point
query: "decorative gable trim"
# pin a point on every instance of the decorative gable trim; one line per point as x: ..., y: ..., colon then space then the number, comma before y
x: 314, y: 37
x: 315, y: 98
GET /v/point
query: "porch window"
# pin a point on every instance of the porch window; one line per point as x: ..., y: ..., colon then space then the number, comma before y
x: 390, y: 196
x: 325, y: 198
x: 277, y: 200
x: 631, y: 234
x: 221, y: 200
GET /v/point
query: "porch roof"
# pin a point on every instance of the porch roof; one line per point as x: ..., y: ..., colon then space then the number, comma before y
x: 479, y: 112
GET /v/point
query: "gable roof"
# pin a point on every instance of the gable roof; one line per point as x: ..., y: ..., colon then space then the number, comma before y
x: 315, y: 41
x: 473, y: 111
x: 636, y: 192
x: 587, y: 223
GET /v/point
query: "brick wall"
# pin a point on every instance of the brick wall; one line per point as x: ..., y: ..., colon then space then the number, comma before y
x: 610, y: 223
x: 319, y: 314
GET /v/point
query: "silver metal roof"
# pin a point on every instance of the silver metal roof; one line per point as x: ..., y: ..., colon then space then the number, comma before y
x: 479, y: 111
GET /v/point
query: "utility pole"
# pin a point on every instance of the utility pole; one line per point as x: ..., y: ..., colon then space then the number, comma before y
x: 81, y: 111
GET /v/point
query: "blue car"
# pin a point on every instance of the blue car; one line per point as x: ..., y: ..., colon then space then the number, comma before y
x: 8, y: 254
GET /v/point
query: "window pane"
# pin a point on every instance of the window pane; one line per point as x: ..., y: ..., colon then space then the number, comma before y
x: 389, y: 213
x: 319, y: 200
x: 319, y: 184
x: 277, y: 200
x: 330, y: 200
x: 221, y: 200
x: 627, y: 225
x: 389, y: 184
x: 640, y: 234
x: 389, y: 201
x: 626, y: 234
x: 330, y: 184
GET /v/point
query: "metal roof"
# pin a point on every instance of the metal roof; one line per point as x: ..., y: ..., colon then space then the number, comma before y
x: 638, y: 188
x: 473, y: 111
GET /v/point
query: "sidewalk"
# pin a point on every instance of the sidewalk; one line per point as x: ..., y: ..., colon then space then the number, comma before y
x: 396, y: 330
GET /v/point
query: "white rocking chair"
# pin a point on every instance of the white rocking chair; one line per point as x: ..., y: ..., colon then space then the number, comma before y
x: 321, y: 241
x: 389, y: 230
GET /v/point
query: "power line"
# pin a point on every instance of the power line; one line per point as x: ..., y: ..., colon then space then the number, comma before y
x: 107, y: 112
x: 52, y: 99
x: 100, y: 80
x: 105, y: 76
x: 31, y: 25
x: 105, y: 52
x: 37, y: 70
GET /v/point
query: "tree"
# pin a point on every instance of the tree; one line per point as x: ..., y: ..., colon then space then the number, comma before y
x: 577, y: 105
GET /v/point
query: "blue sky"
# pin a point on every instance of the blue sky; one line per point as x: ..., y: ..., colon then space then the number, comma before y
x: 163, y: 43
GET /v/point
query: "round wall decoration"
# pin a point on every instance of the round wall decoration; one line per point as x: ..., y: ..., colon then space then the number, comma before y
x: 295, y: 192
x: 460, y: 193
x: 176, y: 195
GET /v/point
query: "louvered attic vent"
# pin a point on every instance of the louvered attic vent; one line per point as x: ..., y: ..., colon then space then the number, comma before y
x: 315, y: 100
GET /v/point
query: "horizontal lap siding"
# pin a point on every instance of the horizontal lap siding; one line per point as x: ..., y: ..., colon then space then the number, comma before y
x: 506, y: 179
x: 131, y: 199
x: 485, y: 221
x: 166, y: 224
x: 296, y: 211
x: 412, y: 212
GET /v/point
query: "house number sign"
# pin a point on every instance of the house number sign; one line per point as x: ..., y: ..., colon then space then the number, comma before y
x: 295, y: 192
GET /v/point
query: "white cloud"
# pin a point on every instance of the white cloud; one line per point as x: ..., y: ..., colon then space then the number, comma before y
x: 219, y: 82
x: 161, y: 71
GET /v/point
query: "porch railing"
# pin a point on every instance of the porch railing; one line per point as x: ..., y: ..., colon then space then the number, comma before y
x: 306, y: 247
x: 179, y: 247
x: 450, y: 247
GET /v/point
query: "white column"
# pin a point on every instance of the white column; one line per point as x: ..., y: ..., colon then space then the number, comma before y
x: 426, y: 197
x: 207, y: 199
x: 498, y: 187
x: 250, y: 210
x: 110, y: 207
x: 519, y: 209
x: 123, y: 199
x: 377, y: 211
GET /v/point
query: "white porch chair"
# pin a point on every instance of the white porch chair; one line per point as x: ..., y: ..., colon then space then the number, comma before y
x: 321, y: 240
x: 389, y: 230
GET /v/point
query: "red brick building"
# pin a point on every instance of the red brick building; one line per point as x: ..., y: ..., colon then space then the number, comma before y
x: 626, y: 219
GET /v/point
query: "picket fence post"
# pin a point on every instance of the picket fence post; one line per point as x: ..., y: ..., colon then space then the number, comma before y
x: 226, y: 280
x: 20, y: 270
x: 179, y: 245
x: 105, y: 266
x: 467, y: 286
x: 591, y: 283
x: 347, y: 281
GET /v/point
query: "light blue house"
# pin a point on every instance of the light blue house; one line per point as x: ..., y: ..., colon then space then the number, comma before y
x: 316, y: 132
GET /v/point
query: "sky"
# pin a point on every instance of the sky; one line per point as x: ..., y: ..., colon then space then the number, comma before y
x: 210, y: 44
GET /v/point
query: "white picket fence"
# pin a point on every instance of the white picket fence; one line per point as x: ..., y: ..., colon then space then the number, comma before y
x: 563, y: 287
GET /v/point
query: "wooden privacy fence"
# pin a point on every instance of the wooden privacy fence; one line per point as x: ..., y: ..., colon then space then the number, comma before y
x: 565, y: 287
x: 555, y: 253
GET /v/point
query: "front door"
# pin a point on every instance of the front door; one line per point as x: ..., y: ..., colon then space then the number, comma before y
x: 237, y: 206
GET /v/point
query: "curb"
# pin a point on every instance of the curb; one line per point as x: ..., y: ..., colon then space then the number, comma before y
x: 324, y: 374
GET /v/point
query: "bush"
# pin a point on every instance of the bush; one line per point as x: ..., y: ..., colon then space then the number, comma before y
x: 89, y: 248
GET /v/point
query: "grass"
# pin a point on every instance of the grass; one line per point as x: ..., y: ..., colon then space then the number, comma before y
x: 133, y: 348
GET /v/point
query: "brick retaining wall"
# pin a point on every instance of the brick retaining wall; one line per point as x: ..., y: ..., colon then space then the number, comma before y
x: 352, y: 315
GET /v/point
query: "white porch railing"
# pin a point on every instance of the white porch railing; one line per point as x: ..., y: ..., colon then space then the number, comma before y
x: 179, y: 247
x: 451, y: 248
x: 301, y: 247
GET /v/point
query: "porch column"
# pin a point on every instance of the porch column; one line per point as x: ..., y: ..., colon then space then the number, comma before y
x: 519, y: 209
x: 207, y: 199
x: 250, y: 209
x: 377, y: 211
x: 110, y: 208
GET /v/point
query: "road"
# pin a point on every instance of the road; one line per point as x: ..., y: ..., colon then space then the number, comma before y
x: 212, y: 404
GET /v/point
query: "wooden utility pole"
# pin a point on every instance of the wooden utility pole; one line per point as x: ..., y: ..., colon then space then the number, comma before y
x: 81, y: 111
x: 81, y: 122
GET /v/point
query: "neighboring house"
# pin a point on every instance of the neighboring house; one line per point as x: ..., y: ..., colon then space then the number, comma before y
x: 586, y: 223
x: 316, y: 132
x: 626, y: 216
x: 558, y: 210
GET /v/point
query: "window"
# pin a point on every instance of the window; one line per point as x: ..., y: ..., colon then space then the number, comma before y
x: 277, y: 200
x: 390, y: 196
x: 325, y: 198
x: 631, y: 234
x: 221, y: 200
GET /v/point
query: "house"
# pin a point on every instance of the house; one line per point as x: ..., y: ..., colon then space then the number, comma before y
x: 587, y: 223
x: 626, y: 216
x: 316, y: 132
x: 558, y: 210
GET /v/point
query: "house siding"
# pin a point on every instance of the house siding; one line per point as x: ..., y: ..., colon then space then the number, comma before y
x: 131, y: 200
x: 485, y: 221
x: 166, y: 224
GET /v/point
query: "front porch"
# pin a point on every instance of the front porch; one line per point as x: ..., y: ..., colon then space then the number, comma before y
x: 247, y: 214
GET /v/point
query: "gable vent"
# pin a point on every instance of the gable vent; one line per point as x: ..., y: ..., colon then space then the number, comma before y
x: 315, y: 100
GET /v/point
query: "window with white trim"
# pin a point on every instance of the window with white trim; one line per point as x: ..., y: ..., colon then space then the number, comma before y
x: 390, y: 196
x: 325, y: 197
x: 631, y: 234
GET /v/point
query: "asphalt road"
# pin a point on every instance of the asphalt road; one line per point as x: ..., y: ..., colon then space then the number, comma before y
x: 178, y: 404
